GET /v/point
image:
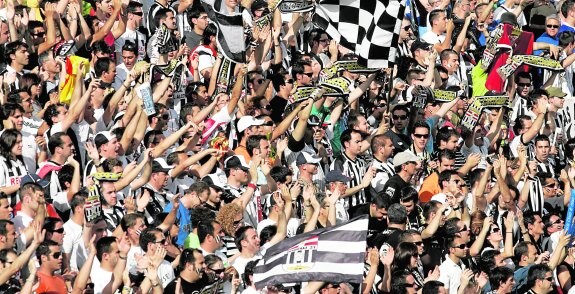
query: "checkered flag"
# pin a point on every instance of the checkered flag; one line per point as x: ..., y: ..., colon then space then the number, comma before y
x: 368, y: 27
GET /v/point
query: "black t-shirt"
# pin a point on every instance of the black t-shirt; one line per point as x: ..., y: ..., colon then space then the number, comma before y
x: 196, y: 287
x: 278, y: 105
x: 393, y: 188
x: 374, y: 226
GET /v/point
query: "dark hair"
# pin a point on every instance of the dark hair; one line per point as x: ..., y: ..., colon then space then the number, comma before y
x: 102, y: 65
x: 161, y: 14
x: 267, y: 234
x: 408, y: 194
x: 210, y: 31
x: 50, y: 224
x: 346, y: 136
x: 529, y: 217
x: 381, y: 200
x: 520, y: 123
x: 103, y: 246
x: 28, y: 80
x: 399, y: 281
x: 378, y: 141
x: 100, y: 47
x: 403, y: 254
x: 202, y: 214
x: 299, y: 68
x: 4, y: 226
x: 475, y: 176
x: 44, y: 249
x: 56, y: 141
x: 240, y: 235
x: 11, y: 48
x: 396, y: 214
x: 148, y: 236
x: 280, y: 174
x: 79, y: 199
x: 419, y: 124
x: 66, y: 174
x: 541, y: 138
x: 432, y: 287
x: 353, y: 119
x: 130, y: 46
x: 205, y: 229
x: 499, y: 275
x: 278, y: 79
x: 521, y: 249
x: 8, y: 140
x: 249, y: 271
x: 133, y: 5
x: 187, y: 257
x: 522, y: 75
x: 434, y: 14
x: 536, y: 272
x: 195, y: 12
x: 8, y: 109
x: 253, y: 142
x: 445, y: 176
x: 566, y: 38
x: 445, y: 133
x: 430, y: 207
x: 486, y: 262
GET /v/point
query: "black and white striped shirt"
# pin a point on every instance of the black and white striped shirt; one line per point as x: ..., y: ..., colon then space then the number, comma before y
x: 355, y: 169
x: 547, y: 166
x: 10, y: 174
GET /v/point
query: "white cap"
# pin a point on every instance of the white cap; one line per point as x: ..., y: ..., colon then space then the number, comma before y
x: 247, y: 121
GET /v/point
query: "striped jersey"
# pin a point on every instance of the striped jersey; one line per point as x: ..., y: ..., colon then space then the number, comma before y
x: 355, y: 169
x: 10, y: 173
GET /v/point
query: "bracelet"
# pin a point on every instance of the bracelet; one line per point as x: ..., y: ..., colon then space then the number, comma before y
x: 253, y: 186
x: 122, y: 257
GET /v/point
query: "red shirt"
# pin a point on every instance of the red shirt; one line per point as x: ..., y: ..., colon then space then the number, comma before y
x: 51, y: 284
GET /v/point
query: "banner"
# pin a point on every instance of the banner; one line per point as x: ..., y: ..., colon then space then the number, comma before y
x: 334, y: 254
x: 289, y: 6
x: 443, y: 95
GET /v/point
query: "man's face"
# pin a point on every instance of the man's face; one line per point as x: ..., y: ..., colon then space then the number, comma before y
x: 21, y: 56
x: 388, y: 148
x: 129, y: 58
x: 203, y: 95
x: 38, y: 34
x: 451, y: 143
x: 106, y: 7
x: 305, y: 78
x: 67, y: 146
x: 5, y: 209
x: 454, y: 185
x: 446, y: 164
x: 136, y: 16
x: 58, y: 233
x: 311, y: 168
x: 418, y: 241
x: 441, y: 21
x: 26, y: 102
x: 552, y: 27
x: 264, y: 149
x: 110, y: 74
x: 112, y: 148
x: 507, y: 287
x: 215, y: 195
x: 400, y: 119
x: 10, y: 236
x: 354, y: 145
x: 170, y: 21
x: 451, y: 63
x: 109, y: 193
x: 54, y: 259
x: 456, y: 248
x: 114, y: 254
x: 162, y: 177
x: 341, y: 186
x: 405, y: 32
x: 218, y: 234
x: 548, y: 282
x: 159, y: 241
x: 199, y: 264
x: 538, y: 226
x: 4, y: 33
x: 557, y: 224
x: 409, y: 205
x: 252, y: 241
x: 362, y: 125
x: 523, y: 87
x: 257, y: 81
x: 420, y: 137
x: 201, y: 22
x: 542, y: 150
x: 557, y: 102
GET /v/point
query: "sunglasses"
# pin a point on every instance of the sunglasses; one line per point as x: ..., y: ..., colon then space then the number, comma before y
x: 217, y: 271
x: 460, y: 246
x: 164, y: 116
x: 267, y: 107
x: 160, y: 241
x: 550, y: 279
x: 495, y: 230
x: 323, y: 40
x: 138, y: 13
x: 421, y: 136
x: 465, y: 229
x: 39, y: 35
x: 259, y: 82
x: 558, y: 221
x: 56, y: 254
x: 400, y: 117
x: 268, y: 123
x: 524, y: 84
x: 553, y: 26
x: 237, y: 223
x: 406, y: 28
x: 290, y: 81
x: 59, y: 231
x: 309, y: 74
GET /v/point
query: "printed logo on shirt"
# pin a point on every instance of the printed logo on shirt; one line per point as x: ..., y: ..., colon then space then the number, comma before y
x: 390, y: 191
x: 14, y: 181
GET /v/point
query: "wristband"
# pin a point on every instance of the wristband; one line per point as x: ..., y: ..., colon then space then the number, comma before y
x: 122, y: 257
x: 253, y: 186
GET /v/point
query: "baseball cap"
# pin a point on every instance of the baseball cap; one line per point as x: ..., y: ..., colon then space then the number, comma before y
x: 236, y: 161
x: 160, y: 165
x: 33, y: 178
x: 247, y: 121
x: 404, y: 157
x: 555, y: 92
x: 213, y: 181
x: 418, y: 44
x: 336, y: 176
x: 509, y: 18
x: 304, y: 157
x: 313, y: 121
x: 102, y: 138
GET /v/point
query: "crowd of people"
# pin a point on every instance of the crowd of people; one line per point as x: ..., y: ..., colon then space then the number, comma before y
x: 137, y: 155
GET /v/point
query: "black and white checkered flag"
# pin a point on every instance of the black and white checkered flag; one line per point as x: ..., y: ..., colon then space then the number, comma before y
x: 368, y: 27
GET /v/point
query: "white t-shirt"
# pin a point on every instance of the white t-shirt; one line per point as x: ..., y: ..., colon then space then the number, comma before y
x: 130, y: 35
x: 100, y: 278
x: 166, y: 273
x: 433, y: 38
x: 70, y: 242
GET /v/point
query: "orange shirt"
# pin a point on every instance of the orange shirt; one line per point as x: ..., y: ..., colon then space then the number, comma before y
x: 429, y: 187
x: 51, y: 284
x: 241, y: 150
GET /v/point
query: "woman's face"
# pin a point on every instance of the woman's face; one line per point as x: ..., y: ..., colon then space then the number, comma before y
x: 495, y: 234
x: 217, y: 269
x: 35, y: 90
x: 413, y: 263
x: 17, y: 148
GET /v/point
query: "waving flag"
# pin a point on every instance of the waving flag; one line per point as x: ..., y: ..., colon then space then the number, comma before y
x: 329, y: 254
x: 370, y: 28
x: 230, y: 36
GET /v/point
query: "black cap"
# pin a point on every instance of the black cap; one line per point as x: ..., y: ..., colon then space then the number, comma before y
x: 418, y: 44
x: 236, y: 161
x: 509, y: 18
x: 313, y: 120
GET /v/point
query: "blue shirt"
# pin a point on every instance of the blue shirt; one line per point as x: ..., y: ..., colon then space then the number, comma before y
x: 545, y: 38
x: 184, y: 218
x: 566, y: 28
x: 432, y: 123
